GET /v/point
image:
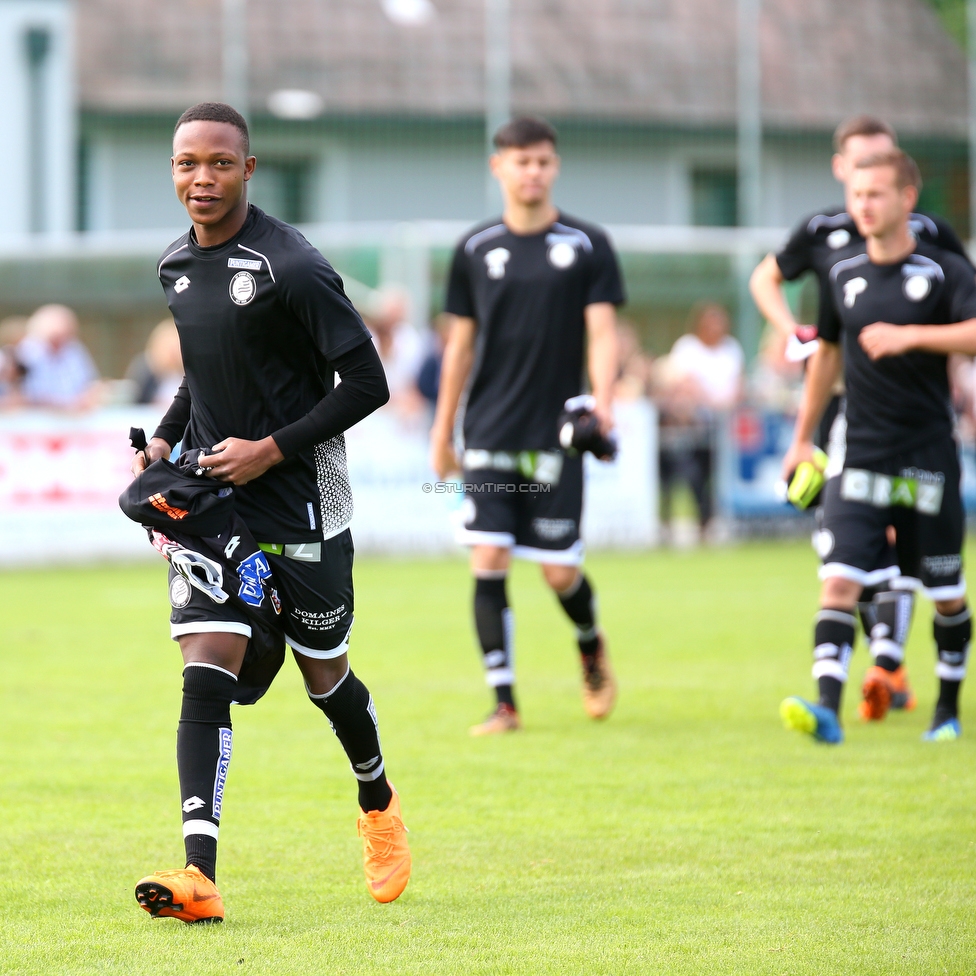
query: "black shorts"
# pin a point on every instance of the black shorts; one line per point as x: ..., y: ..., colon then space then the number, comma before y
x: 537, y: 520
x: 314, y: 584
x: 918, y: 493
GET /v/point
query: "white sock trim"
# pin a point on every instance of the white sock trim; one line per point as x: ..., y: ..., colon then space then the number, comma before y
x: 213, y: 667
x: 500, y: 676
x: 949, y: 672
x: 331, y: 691
x: 888, y: 648
x: 830, y: 668
x: 200, y: 827
x: 371, y: 776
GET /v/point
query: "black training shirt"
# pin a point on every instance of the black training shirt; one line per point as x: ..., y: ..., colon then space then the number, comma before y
x: 262, y: 320
x: 899, y: 402
x: 817, y: 240
x: 527, y: 294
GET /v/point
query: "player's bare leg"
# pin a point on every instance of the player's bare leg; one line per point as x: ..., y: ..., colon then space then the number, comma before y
x: 346, y: 702
x: 495, y: 625
x: 211, y: 663
x: 577, y: 599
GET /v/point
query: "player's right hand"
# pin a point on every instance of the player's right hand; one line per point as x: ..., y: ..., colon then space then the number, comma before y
x: 799, y: 451
x: 442, y: 457
x: 156, y: 449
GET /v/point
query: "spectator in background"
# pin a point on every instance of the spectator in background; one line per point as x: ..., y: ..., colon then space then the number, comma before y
x: 158, y: 371
x: 429, y: 376
x: 59, y: 369
x: 400, y: 347
x: 701, y: 377
x: 12, y: 331
x: 634, y: 371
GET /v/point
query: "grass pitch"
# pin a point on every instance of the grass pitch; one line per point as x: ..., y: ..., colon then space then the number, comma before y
x: 689, y: 834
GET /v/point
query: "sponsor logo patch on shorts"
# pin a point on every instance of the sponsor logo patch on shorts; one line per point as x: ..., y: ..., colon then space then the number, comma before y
x: 941, y: 566
x: 551, y: 529
x: 179, y: 592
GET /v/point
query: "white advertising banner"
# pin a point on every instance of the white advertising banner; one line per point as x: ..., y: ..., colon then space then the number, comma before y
x: 60, y: 478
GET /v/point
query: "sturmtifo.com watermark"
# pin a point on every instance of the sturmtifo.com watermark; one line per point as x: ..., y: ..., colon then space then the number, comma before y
x: 489, y: 487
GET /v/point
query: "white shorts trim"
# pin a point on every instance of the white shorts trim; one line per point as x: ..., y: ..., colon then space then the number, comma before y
x: 955, y: 591
x: 210, y: 627
x: 573, y: 556
x: 843, y: 571
x: 475, y: 537
x: 200, y: 827
x: 317, y: 653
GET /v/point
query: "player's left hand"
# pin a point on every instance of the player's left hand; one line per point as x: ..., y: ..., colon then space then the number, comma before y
x: 883, y: 339
x: 239, y: 461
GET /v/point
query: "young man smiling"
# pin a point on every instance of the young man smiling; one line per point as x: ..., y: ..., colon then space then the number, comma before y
x: 898, y: 306
x: 527, y: 292
x: 264, y: 326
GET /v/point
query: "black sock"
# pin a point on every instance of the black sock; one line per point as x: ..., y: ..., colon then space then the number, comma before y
x: 203, y: 748
x: 494, y: 622
x: 893, y: 620
x: 580, y: 606
x: 833, y: 637
x: 352, y: 715
x: 952, y: 636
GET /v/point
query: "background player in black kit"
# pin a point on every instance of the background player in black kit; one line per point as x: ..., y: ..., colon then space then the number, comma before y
x: 814, y: 245
x: 264, y: 326
x: 898, y: 307
x: 529, y: 293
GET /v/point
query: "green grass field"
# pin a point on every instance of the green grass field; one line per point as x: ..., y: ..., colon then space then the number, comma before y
x: 689, y: 834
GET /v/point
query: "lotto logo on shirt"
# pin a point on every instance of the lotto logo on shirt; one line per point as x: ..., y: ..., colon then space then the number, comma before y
x: 243, y: 288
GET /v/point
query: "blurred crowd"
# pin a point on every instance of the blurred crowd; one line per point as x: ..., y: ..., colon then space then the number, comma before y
x: 45, y: 364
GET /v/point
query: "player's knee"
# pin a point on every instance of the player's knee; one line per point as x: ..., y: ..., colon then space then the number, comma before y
x: 840, y: 593
x: 950, y: 608
x: 207, y: 694
x: 560, y: 578
x: 489, y: 559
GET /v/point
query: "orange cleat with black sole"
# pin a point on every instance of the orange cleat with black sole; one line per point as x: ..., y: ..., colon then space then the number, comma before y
x: 187, y: 894
x: 386, y: 854
x: 883, y: 690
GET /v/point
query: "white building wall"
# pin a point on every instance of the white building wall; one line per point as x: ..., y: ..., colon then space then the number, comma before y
x: 56, y: 168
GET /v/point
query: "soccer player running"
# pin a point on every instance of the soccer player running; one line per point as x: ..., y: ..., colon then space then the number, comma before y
x: 898, y: 307
x: 885, y: 609
x: 264, y: 326
x: 527, y: 292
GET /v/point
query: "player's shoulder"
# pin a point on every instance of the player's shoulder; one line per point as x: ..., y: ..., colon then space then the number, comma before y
x: 848, y: 259
x: 833, y: 224
x: 283, y: 247
x: 930, y: 255
x: 172, y: 250
x: 581, y: 231
x: 482, y: 234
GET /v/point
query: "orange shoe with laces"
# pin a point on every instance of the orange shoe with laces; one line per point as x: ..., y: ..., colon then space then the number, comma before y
x: 503, y: 719
x: 386, y: 854
x: 599, y: 685
x: 187, y: 894
x: 882, y: 690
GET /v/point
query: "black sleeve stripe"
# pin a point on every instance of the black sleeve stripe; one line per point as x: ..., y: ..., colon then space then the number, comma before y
x: 251, y: 250
x: 485, y: 235
x: 166, y: 257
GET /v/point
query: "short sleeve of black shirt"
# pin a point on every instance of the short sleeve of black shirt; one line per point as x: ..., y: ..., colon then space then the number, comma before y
x: 796, y: 257
x: 962, y: 280
x: 459, y: 301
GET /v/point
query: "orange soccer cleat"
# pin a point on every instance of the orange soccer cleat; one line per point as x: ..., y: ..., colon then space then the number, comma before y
x: 882, y: 690
x: 386, y: 854
x: 187, y: 894
x: 503, y: 719
x: 599, y: 685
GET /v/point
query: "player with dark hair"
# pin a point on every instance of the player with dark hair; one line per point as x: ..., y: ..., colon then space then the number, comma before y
x: 264, y: 326
x: 885, y: 607
x: 527, y: 290
x: 898, y: 306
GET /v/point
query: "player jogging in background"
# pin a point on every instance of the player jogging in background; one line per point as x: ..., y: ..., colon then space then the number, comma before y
x: 264, y: 325
x: 898, y: 306
x: 884, y: 608
x: 528, y: 291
